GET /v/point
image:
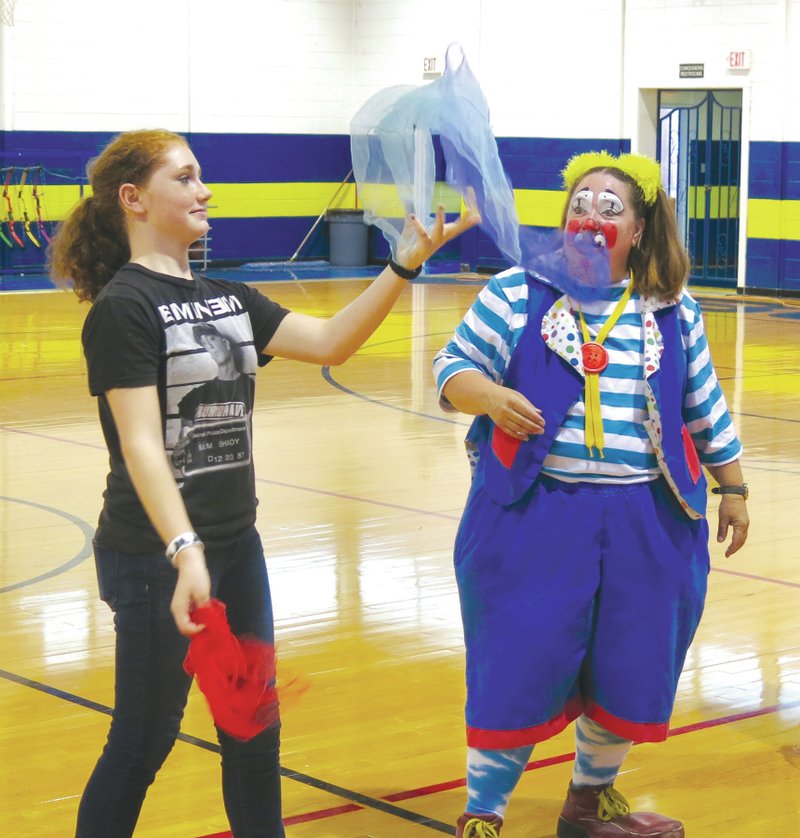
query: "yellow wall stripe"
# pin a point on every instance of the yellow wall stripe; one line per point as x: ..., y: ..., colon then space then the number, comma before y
x: 260, y: 200
x: 539, y: 207
x: 56, y: 201
x: 767, y: 219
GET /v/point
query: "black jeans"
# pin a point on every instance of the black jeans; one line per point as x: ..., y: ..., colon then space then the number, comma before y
x: 151, y: 689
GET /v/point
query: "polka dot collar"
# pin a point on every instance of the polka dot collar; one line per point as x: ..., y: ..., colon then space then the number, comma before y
x: 560, y: 331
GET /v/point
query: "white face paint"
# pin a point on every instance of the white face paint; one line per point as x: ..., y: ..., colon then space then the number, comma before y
x: 609, y: 205
x: 582, y: 202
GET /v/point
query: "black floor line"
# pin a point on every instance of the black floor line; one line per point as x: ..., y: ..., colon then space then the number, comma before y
x: 355, y: 797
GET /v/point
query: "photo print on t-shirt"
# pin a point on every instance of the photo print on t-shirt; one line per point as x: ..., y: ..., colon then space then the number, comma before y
x: 210, y: 387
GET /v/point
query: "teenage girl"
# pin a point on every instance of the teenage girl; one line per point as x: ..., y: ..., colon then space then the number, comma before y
x: 167, y: 354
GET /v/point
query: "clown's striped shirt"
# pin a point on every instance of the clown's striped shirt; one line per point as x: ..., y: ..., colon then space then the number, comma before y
x: 491, y: 329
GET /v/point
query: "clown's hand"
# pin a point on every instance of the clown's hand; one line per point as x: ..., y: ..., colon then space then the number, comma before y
x: 733, y: 515
x: 514, y: 414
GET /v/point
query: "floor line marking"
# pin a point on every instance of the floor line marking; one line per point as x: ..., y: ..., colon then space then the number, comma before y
x: 384, y: 804
x: 363, y: 801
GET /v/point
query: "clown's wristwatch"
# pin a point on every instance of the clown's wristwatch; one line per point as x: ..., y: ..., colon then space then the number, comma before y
x: 732, y: 490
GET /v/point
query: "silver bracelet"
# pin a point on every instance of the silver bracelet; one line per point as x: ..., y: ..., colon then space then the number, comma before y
x: 181, y: 542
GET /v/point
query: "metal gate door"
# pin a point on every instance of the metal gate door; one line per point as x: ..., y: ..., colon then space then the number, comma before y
x: 699, y: 144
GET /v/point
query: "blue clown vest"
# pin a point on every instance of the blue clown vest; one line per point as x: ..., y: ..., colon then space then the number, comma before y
x: 507, y: 468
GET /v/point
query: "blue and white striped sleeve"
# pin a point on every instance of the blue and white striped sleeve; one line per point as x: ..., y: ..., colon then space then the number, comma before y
x: 486, y: 337
x: 704, y: 407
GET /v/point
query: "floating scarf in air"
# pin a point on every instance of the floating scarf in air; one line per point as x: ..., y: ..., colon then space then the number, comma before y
x: 391, y: 141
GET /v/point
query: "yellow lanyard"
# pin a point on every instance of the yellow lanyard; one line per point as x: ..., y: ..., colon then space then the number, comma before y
x: 595, y: 360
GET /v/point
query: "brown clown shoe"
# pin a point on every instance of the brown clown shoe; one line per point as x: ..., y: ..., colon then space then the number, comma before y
x: 478, y: 826
x: 602, y: 812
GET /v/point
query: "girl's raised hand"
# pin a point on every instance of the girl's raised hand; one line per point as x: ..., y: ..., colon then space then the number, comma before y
x: 416, y: 244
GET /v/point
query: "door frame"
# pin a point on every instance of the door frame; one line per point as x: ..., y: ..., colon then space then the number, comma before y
x: 646, y: 143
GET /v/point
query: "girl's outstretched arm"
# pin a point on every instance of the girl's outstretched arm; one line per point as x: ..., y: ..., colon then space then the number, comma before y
x: 333, y: 340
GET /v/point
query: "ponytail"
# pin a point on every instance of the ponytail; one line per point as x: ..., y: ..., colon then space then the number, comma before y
x: 89, y: 247
x: 91, y: 244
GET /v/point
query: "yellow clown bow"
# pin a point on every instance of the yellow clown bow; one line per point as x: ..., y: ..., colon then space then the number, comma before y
x: 645, y: 171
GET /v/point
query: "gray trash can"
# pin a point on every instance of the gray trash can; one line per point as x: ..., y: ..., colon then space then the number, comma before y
x: 349, y: 237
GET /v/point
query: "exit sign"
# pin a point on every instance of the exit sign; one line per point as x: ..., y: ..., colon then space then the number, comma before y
x: 432, y: 67
x: 739, y: 59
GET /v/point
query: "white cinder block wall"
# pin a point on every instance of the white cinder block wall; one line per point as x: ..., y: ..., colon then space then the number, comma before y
x: 187, y: 65
x: 548, y: 70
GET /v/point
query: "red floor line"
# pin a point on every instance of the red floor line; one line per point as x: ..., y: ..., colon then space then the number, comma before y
x: 410, y: 794
x: 461, y: 782
x: 319, y: 814
x: 756, y: 578
x: 423, y: 791
x: 306, y: 817
x: 735, y: 717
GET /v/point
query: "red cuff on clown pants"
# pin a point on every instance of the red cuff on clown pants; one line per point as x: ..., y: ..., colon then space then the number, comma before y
x: 635, y: 731
x: 516, y: 738
x: 235, y: 674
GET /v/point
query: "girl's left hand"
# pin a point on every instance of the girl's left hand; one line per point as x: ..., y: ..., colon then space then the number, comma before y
x: 192, y: 589
x: 416, y: 244
x: 733, y: 514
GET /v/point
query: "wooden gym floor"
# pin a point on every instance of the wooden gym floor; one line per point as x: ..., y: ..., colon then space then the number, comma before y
x: 361, y: 480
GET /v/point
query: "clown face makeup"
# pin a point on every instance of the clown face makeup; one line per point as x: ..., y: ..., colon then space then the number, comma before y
x: 601, y: 207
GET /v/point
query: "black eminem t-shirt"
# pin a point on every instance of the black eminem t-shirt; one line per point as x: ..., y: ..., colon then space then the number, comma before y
x: 199, y: 342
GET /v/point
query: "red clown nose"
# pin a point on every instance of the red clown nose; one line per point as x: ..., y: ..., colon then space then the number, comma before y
x: 589, y: 225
